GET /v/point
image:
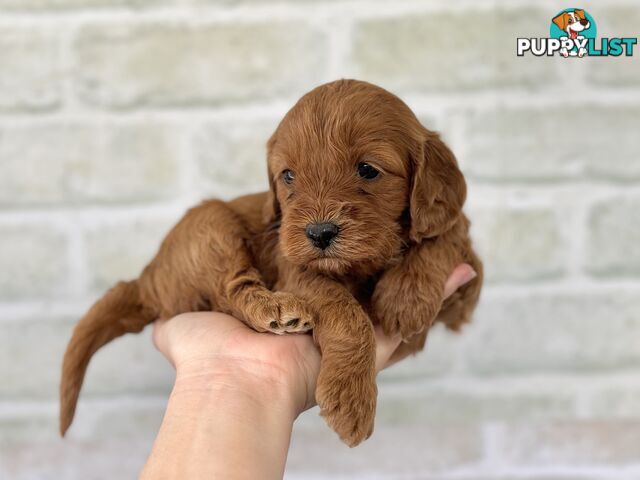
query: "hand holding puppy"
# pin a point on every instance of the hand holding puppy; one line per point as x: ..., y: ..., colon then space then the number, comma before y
x: 235, y: 387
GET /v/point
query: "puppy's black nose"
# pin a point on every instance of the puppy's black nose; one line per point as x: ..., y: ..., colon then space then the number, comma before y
x: 584, y: 22
x: 321, y: 234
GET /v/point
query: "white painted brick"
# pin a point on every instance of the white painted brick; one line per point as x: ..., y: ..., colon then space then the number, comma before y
x: 65, y: 460
x: 580, y: 443
x: 30, y: 74
x: 72, y: 162
x: 114, y: 439
x: 542, y: 145
x: 107, y: 440
x: 391, y: 450
x: 519, y: 244
x: 437, y: 359
x: 119, y: 251
x: 619, y: 401
x: 449, y: 51
x: 430, y: 121
x: 130, y: 365
x: 554, y: 332
x: 33, y: 262
x: 614, y: 237
x: 258, y: 2
x: 31, y: 354
x: 44, y: 5
x: 31, y: 357
x: 468, y: 402
x: 231, y: 156
x: 165, y: 65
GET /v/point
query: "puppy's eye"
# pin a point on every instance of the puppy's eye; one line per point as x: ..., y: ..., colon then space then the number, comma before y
x: 367, y: 171
x: 287, y: 177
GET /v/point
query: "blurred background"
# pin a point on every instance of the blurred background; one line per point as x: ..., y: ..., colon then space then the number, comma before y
x: 116, y: 115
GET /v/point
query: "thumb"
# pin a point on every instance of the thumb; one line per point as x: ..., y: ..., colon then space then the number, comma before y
x: 461, y: 275
x: 385, y: 346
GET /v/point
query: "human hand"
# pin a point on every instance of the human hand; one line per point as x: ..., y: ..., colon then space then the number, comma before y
x: 213, y: 349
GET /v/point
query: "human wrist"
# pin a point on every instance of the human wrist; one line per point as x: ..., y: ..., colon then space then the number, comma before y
x: 237, y: 379
x: 241, y: 422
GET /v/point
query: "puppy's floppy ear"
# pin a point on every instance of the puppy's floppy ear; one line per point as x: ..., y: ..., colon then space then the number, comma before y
x: 562, y: 20
x: 438, y: 189
x: 579, y: 13
x: 271, y: 208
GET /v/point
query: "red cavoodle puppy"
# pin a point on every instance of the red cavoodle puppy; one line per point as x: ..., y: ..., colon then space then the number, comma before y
x: 362, y: 224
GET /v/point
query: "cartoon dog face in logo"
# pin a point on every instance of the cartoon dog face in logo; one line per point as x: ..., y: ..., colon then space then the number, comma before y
x: 572, y: 22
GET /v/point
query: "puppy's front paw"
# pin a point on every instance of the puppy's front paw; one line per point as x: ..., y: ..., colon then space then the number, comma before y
x: 347, y: 401
x: 279, y: 312
x: 295, y: 315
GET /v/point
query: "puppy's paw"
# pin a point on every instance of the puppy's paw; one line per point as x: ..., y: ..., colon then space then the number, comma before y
x: 295, y: 315
x: 405, y: 315
x: 280, y: 313
x: 347, y: 401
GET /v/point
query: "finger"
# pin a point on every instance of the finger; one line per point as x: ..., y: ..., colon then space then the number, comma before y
x: 462, y: 274
x: 385, y: 346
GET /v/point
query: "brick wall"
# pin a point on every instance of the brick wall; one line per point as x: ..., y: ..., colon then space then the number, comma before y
x: 115, y: 115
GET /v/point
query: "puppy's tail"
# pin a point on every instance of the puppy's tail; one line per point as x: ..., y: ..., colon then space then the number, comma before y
x: 120, y: 311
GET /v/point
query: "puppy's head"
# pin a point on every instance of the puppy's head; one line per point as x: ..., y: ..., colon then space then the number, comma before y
x: 354, y: 177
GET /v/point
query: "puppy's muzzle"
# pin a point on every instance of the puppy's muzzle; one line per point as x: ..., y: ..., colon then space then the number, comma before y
x: 584, y: 22
x: 322, y: 234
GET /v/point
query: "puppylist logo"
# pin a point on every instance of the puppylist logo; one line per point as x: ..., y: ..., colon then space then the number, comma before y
x: 573, y: 34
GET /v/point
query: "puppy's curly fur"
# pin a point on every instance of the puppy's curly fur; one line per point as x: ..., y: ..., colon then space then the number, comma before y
x: 400, y: 234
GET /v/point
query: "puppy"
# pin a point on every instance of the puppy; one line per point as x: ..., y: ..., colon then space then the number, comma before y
x: 573, y: 23
x: 362, y: 225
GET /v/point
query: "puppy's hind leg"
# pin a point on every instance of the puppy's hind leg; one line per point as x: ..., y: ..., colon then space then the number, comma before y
x: 206, y: 256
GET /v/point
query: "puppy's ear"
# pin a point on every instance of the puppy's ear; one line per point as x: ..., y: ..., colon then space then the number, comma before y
x: 271, y: 208
x: 562, y: 21
x: 438, y: 190
x: 579, y: 13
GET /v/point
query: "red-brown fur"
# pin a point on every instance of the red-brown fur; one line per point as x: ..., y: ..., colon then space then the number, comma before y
x: 401, y: 235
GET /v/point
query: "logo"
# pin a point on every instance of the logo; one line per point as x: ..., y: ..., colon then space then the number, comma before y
x: 573, y: 34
